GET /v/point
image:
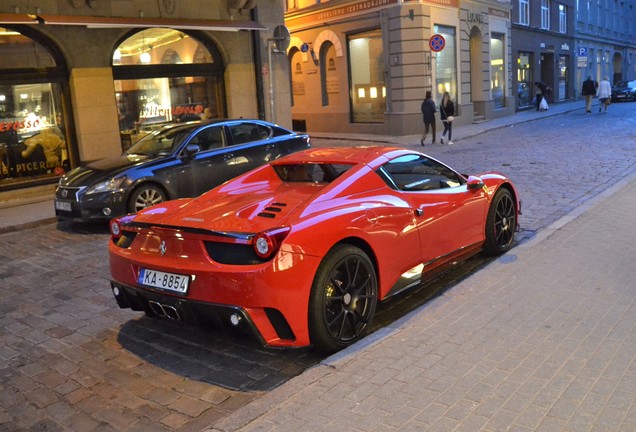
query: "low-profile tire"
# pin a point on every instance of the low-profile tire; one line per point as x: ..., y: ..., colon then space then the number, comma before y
x: 343, y: 298
x: 145, y: 196
x: 501, y: 223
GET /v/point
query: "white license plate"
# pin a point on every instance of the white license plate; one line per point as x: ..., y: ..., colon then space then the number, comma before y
x: 163, y: 280
x: 620, y: 96
x: 63, y: 205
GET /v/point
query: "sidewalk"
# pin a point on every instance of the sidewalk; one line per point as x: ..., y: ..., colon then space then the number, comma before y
x: 20, y: 212
x: 542, y: 339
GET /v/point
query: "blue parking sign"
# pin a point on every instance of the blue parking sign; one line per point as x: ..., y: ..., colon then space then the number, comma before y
x: 582, y: 52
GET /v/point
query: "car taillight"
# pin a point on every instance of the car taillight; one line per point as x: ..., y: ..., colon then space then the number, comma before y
x: 266, y: 243
x: 115, y: 229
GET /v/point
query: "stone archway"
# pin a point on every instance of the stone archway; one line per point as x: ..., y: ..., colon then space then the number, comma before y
x: 617, y: 62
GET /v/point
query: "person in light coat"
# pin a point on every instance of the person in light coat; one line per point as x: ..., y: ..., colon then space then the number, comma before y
x: 604, y: 94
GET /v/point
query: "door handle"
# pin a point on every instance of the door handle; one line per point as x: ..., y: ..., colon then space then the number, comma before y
x: 419, y: 212
x: 228, y: 156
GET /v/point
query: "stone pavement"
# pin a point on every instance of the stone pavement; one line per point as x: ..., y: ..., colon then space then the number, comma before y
x: 525, y: 339
x: 542, y: 339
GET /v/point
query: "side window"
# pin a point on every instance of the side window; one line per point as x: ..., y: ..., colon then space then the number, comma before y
x: 208, y: 138
x: 414, y: 173
x: 248, y: 132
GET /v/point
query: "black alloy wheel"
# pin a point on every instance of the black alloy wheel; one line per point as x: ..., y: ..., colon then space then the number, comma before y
x: 343, y: 298
x: 501, y: 223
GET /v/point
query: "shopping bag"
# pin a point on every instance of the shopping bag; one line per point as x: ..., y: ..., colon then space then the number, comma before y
x: 543, y: 106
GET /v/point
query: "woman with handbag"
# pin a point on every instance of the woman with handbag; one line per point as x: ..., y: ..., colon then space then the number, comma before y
x: 604, y: 94
x: 447, y: 111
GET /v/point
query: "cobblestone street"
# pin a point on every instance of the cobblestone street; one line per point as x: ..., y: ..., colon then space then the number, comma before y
x: 73, y: 361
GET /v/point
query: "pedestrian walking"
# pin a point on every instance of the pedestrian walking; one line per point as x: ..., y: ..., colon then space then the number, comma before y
x: 540, y: 92
x: 447, y: 113
x: 588, y: 91
x: 428, y: 115
x: 604, y: 94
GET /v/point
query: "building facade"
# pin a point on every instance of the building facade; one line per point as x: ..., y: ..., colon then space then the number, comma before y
x: 365, y: 66
x: 543, y: 47
x: 605, y: 34
x: 80, y: 80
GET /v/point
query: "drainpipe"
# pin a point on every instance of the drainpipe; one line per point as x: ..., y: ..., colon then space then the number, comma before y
x: 258, y: 66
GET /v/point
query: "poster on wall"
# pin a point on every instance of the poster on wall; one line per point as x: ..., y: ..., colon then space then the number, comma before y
x: 298, y: 81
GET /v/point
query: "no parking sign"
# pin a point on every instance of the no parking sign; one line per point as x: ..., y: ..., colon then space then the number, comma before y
x: 437, y: 42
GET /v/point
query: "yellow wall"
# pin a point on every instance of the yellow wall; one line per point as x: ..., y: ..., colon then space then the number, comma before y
x: 95, y: 113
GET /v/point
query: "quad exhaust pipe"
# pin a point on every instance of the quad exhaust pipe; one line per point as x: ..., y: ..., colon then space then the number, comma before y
x: 164, y: 310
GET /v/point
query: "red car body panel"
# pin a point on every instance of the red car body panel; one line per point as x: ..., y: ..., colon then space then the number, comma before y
x: 357, y: 207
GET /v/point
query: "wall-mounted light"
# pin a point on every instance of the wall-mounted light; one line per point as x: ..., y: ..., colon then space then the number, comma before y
x: 24, y: 96
x: 3, y: 98
x: 361, y: 93
x: 373, y: 92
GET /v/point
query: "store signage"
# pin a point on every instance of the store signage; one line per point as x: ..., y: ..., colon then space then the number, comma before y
x: 19, y: 125
x: 475, y: 17
x: 151, y: 111
x: 354, y: 8
x: 582, y: 57
x: 499, y: 13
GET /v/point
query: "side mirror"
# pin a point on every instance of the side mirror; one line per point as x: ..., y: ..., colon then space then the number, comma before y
x: 191, y: 150
x: 474, y: 183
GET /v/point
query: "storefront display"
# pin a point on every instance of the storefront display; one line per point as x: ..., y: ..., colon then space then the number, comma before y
x: 33, y: 145
x: 158, y: 85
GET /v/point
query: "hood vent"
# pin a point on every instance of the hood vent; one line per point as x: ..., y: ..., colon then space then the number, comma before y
x: 271, y: 210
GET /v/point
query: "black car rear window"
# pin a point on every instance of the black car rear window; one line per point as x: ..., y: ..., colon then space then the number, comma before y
x: 310, y: 172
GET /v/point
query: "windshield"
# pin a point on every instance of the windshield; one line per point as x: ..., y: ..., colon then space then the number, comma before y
x: 159, y: 142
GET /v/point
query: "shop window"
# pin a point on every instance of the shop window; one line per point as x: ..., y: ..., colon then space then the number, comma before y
x: 524, y: 79
x: 33, y: 136
x: 446, y: 64
x: 497, y: 69
x: 166, y: 76
x: 562, y: 92
x: 366, y: 72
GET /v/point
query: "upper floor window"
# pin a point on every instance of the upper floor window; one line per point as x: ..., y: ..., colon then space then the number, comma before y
x: 545, y: 14
x: 563, y: 21
x: 524, y: 12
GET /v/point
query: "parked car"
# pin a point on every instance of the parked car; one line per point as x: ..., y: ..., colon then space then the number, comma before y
x: 300, y: 250
x: 179, y: 160
x: 624, y: 91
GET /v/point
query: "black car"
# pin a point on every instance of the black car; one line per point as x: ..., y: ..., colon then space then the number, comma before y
x: 624, y: 91
x: 176, y: 161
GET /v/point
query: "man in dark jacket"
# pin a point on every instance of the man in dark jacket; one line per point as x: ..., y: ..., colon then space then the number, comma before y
x: 540, y: 92
x: 588, y: 91
x: 428, y: 115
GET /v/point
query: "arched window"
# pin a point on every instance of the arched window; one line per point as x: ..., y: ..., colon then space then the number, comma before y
x: 33, y: 106
x: 328, y: 71
x: 165, y: 75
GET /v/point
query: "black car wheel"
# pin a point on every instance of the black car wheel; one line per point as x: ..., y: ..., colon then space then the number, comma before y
x: 501, y: 223
x: 145, y: 196
x: 343, y: 298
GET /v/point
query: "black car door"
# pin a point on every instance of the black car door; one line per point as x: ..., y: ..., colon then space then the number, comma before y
x: 251, y: 147
x: 207, y: 167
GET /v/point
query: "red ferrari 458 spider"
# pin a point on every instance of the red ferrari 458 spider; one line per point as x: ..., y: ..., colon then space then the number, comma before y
x: 299, y: 251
